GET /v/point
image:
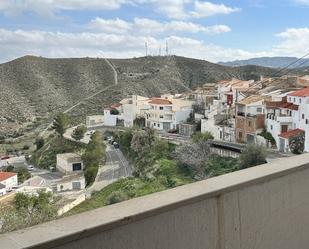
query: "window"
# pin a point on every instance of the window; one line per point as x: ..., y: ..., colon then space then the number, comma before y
x: 294, y: 100
x: 271, y: 127
x: 299, y: 100
x: 306, y: 121
x: 249, y: 123
x: 158, y: 125
x: 161, y: 116
x: 290, y: 99
x: 303, y: 116
x: 154, y: 124
x: 161, y: 107
x: 259, y: 109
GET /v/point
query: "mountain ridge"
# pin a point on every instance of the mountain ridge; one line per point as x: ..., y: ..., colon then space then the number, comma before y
x: 34, y: 88
x: 273, y: 62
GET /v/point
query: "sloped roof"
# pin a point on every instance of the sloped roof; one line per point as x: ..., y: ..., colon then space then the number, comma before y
x: 252, y: 99
x: 300, y: 93
x: 6, y: 175
x: 291, y: 133
x: 160, y: 102
x: 290, y: 106
x: 116, y: 105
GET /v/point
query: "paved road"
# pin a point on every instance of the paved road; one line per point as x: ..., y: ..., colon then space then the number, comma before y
x: 116, y: 167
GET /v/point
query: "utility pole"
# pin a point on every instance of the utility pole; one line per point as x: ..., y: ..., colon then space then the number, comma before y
x: 146, y: 48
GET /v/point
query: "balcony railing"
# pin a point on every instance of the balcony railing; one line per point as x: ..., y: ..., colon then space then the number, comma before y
x: 260, y: 207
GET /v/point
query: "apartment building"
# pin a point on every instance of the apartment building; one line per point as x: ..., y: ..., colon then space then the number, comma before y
x: 167, y: 112
x: 250, y: 117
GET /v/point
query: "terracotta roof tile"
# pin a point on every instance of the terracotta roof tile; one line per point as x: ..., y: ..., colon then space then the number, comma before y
x: 291, y: 133
x: 160, y: 102
x: 116, y: 105
x: 300, y: 93
x: 6, y: 175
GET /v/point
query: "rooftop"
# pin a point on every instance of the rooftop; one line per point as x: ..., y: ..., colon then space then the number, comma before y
x: 300, y: 93
x: 6, y: 175
x: 291, y: 133
x: 158, y: 101
x: 67, y: 156
x: 252, y: 99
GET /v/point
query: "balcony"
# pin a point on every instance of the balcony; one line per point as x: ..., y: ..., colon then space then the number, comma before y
x: 284, y: 119
x: 262, y: 207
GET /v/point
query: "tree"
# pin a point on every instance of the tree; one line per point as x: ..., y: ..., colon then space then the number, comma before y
x: 198, y: 136
x: 114, y: 112
x: 79, y: 132
x: 34, y: 203
x: 39, y: 142
x: 93, y: 156
x: 193, y: 156
x: 61, y: 123
x: 252, y: 155
x: 297, y: 143
x: 139, y: 122
x: 142, y: 140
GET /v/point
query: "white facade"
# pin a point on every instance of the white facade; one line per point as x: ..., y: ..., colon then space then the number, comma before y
x: 9, y: 180
x: 111, y: 119
x: 69, y: 162
x: 71, y: 183
x: 301, y: 117
x: 165, y: 114
x: 134, y: 107
x: 2, y: 189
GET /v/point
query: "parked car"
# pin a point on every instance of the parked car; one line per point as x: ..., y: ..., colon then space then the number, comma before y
x: 30, y: 167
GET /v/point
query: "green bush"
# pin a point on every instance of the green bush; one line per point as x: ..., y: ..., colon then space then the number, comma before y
x: 90, y: 174
x: 116, y: 197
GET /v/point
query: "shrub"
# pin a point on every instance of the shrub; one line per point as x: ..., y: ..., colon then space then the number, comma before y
x: 39, y: 142
x: 198, y: 136
x: 252, y: 155
x: 116, y: 197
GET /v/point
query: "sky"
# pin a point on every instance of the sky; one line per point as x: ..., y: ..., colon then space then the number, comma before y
x: 211, y: 30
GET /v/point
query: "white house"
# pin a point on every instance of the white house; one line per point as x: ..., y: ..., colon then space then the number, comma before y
x: 301, y: 117
x: 9, y: 180
x: 72, y: 182
x: 69, y: 162
x: 2, y: 189
x: 167, y: 113
x: 111, y: 118
x: 134, y: 107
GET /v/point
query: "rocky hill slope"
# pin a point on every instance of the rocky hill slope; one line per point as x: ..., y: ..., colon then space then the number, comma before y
x: 35, y: 88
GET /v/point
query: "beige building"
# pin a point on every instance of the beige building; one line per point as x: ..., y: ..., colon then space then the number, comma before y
x: 69, y: 162
x: 72, y: 182
x: 167, y: 112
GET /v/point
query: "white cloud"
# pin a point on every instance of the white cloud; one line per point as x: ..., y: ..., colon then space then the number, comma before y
x: 55, y: 44
x: 206, y: 9
x: 303, y: 2
x: 294, y: 42
x: 153, y: 27
x: 49, y: 7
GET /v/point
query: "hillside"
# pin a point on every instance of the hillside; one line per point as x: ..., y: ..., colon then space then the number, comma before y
x: 274, y: 62
x: 33, y: 89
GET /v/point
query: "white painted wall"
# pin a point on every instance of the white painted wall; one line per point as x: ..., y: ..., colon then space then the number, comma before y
x: 10, y: 182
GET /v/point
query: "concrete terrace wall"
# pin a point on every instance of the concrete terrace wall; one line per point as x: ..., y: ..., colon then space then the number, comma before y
x: 265, y: 207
